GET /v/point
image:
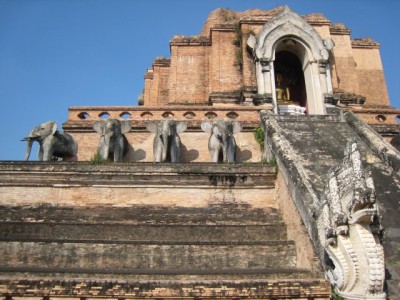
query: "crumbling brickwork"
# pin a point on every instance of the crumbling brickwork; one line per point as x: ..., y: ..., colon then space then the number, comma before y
x: 218, y: 61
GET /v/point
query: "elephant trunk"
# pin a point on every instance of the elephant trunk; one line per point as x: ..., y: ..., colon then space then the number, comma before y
x: 28, y: 147
x: 225, y: 146
x: 105, y: 149
x: 164, y: 139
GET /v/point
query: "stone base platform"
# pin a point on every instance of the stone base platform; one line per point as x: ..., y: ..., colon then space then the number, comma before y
x: 150, y: 230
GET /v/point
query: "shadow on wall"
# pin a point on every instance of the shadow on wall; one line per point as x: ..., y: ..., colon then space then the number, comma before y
x: 189, y: 155
x: 134, y: 155
x: 186, y: 155
x: 243, y: 155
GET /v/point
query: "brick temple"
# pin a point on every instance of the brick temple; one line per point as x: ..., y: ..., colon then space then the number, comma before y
x: 308, y: 211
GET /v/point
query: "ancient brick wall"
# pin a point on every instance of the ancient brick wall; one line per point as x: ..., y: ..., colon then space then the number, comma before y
x: 306, y: 257
x: 344, y: 76
x: 157, y: 92
x: 215, y: 61
x: 248, y: 66
x: 189, y: 76
x: 369, y: 70
x: 194, y: 141
x: 144, y: 230
x: 224, y: 73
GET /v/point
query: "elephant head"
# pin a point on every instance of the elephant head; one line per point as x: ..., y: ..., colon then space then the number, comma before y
x: 52, y: 143
x: 167, y: 144
x: 222, y: 145
x: 113, y: 143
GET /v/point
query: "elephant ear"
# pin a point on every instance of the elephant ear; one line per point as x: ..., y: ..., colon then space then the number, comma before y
x: 236, y: 127
x: 54, y: 128
x: 99, y: 126
x: 152, y: 127
x: 206, y: 126
x: 125, y: 127
x: 181, y: 127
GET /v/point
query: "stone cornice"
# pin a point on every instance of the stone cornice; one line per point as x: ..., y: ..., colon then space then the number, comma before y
x: 339, y: 29
x: 365, y: 43
x: 148, y: 75
x: 79, y: 174
x: 317, y: 19
x: 180, y: 40
x: 162, y: 62
x: 373, y: 110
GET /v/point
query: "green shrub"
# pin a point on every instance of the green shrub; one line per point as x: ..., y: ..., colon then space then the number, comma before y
x: 259, y: 136
x: 96, y: 159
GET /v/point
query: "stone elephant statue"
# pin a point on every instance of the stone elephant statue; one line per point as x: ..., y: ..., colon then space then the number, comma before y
x: 166, y: 144
x: 53, y: 145
x: 222, y: 145
x: 113, y: 144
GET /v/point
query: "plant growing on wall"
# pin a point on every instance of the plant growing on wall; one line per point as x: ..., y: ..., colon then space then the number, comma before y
x: 238, y: 43
x: 259, y: 136
x: 96, y: 159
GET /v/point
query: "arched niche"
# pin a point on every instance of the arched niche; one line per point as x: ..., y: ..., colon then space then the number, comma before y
x: 291, y: 33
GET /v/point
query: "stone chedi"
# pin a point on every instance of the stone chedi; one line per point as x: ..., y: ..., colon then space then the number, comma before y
x: 310, y: 207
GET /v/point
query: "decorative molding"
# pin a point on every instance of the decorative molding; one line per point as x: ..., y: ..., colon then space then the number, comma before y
x: 339, y: 29
x: 367, y: 42
x: 349, y: 229
x: 288, y: 23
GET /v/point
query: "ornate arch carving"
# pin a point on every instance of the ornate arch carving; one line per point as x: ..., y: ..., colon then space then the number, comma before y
x: 289, y: 24
x: 313, y: 53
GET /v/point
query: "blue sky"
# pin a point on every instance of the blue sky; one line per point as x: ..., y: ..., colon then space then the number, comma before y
x: 60, y: 53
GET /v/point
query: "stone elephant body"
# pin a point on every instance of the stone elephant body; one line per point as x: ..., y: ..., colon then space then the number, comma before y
x: 53, y: 145
x: 113, y: 144
x: 166, y: 144
x: 222, y: 144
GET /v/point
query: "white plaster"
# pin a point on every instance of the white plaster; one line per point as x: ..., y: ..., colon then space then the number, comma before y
x: 310, y: 49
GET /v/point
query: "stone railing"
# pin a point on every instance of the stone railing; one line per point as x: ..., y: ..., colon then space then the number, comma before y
x: 140, y: 115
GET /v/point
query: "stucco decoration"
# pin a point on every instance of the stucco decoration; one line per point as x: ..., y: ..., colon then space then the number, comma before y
x: 288, y: 23
x: 349, y: 228
x: 312, y: 51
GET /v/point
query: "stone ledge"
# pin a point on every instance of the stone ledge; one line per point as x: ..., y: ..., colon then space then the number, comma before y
x: 209, y: 289
x: 64, y: 174
x: 367, y: 43
x: 84, y: 231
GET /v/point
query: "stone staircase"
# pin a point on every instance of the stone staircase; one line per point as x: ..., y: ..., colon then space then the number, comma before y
x: 308, y: 147
x: 227, y: 247
x: 228, y: 240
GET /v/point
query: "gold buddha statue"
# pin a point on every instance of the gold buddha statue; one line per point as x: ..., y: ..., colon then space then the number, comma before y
x: 282, y: 92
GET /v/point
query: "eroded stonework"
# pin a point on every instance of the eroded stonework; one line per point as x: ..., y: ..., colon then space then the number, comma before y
x: 349, y: 227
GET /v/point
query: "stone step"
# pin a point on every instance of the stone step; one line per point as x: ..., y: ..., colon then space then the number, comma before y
x: 219, y: 213
x: 149, y: 255
x: 328, y: 141
x: 33, y: 231
x: 145, y: 275
x: 252, y: 288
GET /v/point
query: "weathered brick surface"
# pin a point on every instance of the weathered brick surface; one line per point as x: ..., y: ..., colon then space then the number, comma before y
x: 164, y: 245
x: 224, y: 73
x: 370, y: 75
x: 84, y: 231
x: 214, y: 62
x: 143, y: 255
x: 132, y: 184
x: 296, y: 231
x: 158, y: 89
x: 194, y: 141
x: 188, y: 78
x: 265, y: 289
